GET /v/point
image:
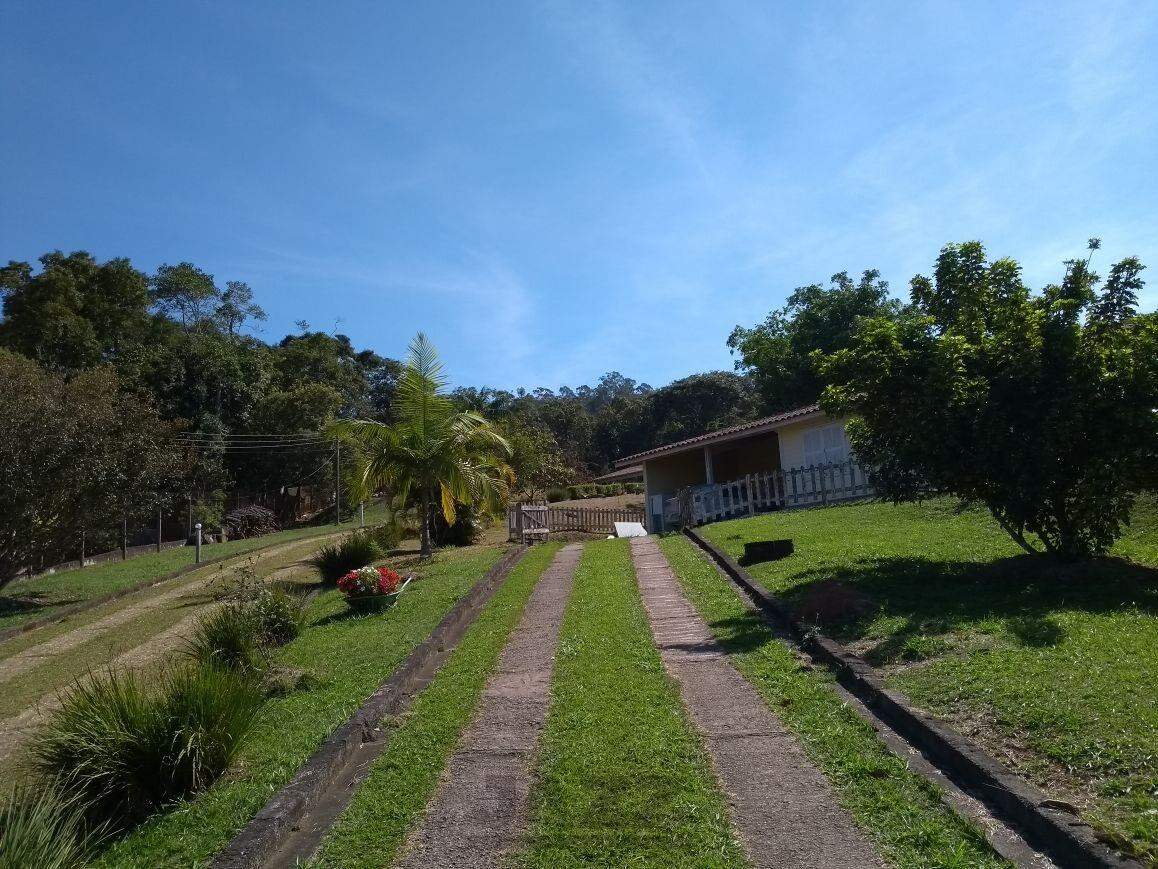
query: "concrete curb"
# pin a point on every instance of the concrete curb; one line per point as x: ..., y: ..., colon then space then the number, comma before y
x: 1066, y: 839
x: 261, y: 838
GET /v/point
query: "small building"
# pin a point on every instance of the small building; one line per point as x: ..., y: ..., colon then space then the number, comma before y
x: 788, y: 459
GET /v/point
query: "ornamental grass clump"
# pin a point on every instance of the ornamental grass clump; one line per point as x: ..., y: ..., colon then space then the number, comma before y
x: 228, y: 637
x: 42, y: 826
x: 126, y: 750
x: 337, y: 559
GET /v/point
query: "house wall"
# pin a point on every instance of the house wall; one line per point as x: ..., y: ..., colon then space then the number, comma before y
x: 667, y: 475
x: 755, y: 455
x: 792, y: 439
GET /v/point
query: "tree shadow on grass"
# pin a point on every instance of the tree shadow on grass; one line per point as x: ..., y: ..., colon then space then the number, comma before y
x: 919, y: 600
x: 16, y: 605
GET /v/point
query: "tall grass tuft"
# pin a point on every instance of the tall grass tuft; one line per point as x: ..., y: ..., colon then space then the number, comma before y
x: 337, y: 559
x: 127, y: 750
x: 280, y: 615
x: 42, y: 827
x: 227, y: 637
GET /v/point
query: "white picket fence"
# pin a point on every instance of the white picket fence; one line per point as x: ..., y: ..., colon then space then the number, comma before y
x: 814, y: 486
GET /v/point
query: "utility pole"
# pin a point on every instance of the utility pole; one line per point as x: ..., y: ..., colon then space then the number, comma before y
x: 124, y: 538
x: 338, y: 483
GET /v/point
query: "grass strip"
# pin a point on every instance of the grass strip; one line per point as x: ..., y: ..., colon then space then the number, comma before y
x: 901, y: 812
x: 402, y: 781
x: 40, y: 596
x: 624, y: 780
x: 346, y: 657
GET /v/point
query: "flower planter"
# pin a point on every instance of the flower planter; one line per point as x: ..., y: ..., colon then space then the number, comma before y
x: 371, y: 603
x: 372, y: 589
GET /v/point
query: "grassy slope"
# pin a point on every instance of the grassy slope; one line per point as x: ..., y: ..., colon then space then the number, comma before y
x: 902, y: 814
x: 58, y: 671
x: 402, y: 780
x: 1053, y: 666
x: 349, y: 657
x: 623, y: 779
x: 23, y: 600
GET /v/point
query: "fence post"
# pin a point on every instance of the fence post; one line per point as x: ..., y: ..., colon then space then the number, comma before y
x: 197, y: 552
x: 159, y: 529
x: 124, y: 538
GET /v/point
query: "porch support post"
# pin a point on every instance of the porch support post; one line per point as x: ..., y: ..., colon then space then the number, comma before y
x: 709, y: 472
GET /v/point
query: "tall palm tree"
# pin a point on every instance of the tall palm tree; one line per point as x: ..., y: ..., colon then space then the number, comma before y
x: 445, y: 455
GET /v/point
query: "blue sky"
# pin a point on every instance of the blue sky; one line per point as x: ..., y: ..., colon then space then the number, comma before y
x: 553, y: 190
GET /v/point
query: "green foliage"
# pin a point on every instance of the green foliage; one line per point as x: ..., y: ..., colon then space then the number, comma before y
x: 280, y: 615
x: 127, y: 750
x: 227, y: 637
x: 74, y: 453
x: 555, y: 495
x: 535, y: 458
x: 354, y: 550
x: 816, y: 318
x: 42, y: 827
x: 1040, y: 407
x: 446, y: 456
x: 388, y: 535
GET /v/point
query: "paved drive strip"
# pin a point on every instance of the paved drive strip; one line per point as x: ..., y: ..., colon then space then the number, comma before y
x: 784, y: 809
x: 480, y: 807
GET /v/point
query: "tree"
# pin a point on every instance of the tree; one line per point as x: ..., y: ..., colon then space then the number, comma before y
x: 440, y: 453
x: 536, y: 459
x: 76, y: 456
x: 237, y: 306
x: 75, y: 313
x: 701, y: 403
x: 185, y: 291
x: 1041, y: 407
x: 777, y: 352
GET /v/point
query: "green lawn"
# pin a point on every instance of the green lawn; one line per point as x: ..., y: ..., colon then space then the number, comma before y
x: 902, y: 814
x: 348, y: 657
x: 623, y: 780
x: 403, y: 779
x: 41, y: 596
x: 1053, y: 666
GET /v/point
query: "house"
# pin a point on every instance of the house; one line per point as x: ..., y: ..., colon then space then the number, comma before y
x: 628, y: 474
x: 788, y: 459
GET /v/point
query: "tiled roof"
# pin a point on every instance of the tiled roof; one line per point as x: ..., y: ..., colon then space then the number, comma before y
x: 725, y: 434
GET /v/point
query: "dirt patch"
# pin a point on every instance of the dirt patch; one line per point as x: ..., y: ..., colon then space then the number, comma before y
x: 612, y: 502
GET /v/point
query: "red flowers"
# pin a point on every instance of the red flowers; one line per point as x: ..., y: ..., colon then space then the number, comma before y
x: 369, y: 580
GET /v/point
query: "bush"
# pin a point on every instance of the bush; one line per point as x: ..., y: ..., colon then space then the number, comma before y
x: 279, y: 615
x: 464, y: 531
x: 227, y: 637
x: 633, y: 488
x: 127, y: 751
x: 555, y: 495
x: 388, y: 536
x: 355, y: 550
x: 251, y: 521
x: 42, y: 827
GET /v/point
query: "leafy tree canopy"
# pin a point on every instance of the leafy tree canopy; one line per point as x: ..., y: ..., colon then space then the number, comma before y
x: 1040, y: 406
x: 777, y: 352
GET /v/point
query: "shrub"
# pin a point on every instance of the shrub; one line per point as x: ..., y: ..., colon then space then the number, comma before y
x: 337, y: 559
x: 464, y: 531
x: 40, y: 826
x: 251, y: 521
x: 127, y: 751
x: 555, y: 495
x: 633, y: 488
x: 227, y: 637
x: 388, y: 536
x: 279, y: 615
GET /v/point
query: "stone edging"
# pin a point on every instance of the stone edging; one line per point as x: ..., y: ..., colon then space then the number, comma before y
x: 69, y: 611
x: 261, y: 838
x: 1065, y: 838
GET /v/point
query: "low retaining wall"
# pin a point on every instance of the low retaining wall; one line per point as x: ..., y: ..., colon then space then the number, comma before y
x: 1065, y: 838
x: 263, y: 836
